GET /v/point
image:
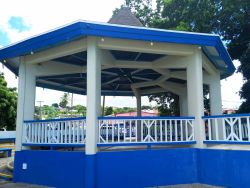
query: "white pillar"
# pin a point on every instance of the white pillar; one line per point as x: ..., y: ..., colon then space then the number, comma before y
x: 215, y: 102
x: 183, y: 104
x: 215, y: 95
x: 26, y: 100
x: 93, y: 95
x: 195, y: 95
x: 93, y: 110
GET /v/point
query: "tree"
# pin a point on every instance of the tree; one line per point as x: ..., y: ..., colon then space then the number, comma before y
x: 167, y: 104
x: 55, y: 105
x: 8, y: 105
x: 235, y: 28
x: 81, y: 110
x: 64, y: 100
x: 108, y: 111
x: 229, y: 18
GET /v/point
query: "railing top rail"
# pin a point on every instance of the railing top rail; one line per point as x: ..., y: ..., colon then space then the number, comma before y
x: 226, y: 116
x: 147, y: 117
x: 54, y: 120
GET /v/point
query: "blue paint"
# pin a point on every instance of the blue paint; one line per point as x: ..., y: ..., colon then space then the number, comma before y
x: 54, y: 145
x: 146, y: 117
x: 54, y: 120
x: 228, y: 168
x: 51, y: 168
x: 146, y: 168
x: 8, y: 150
x: 83, y: 28
x: 226, y: 116
x: 134, y: 169
x: 7, y: 140
x: 149, y: 144
x: 90, y: 171
x: 226, y: 142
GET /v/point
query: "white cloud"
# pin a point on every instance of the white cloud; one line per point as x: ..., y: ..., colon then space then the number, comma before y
x: 46, y: 15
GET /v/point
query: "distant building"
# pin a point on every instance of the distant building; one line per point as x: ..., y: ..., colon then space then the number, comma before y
x: 143, y: 113
x: 229, y: 110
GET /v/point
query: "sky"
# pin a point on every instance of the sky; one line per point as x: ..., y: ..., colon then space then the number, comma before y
x: 23, y: 19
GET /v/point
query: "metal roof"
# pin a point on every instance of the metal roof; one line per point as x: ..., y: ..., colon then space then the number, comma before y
x: 211, y: 45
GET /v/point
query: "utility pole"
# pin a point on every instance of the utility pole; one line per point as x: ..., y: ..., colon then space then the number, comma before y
x: 40, y: 108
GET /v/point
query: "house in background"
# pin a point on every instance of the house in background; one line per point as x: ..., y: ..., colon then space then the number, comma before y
x: 114, y: 59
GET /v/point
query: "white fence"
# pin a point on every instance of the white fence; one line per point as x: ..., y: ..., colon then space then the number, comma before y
x: 119, y: 130
x: 228, y: 128
x: 56, y: 131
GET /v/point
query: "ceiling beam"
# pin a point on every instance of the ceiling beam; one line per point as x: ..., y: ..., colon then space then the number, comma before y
x: 145, y: 46
x: 51, y: 68
x: 56, y: 52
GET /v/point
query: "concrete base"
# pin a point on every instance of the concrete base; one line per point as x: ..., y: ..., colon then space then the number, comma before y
x: 134, y: 169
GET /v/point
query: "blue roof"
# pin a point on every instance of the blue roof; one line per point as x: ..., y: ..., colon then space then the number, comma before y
x: 208, y: 42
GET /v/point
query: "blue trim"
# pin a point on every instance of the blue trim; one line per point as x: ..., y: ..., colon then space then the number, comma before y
x: 226, y: 116
x: 54, y: 145
x: 83, y: 29
x: 146, y: 117
x: 226, y: 142
x: 53, y: 120
x: 146, y: 143
x: 7, y: 139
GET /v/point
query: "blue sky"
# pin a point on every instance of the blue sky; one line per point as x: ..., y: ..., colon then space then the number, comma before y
x: 17, y: 22
x: 4, y: 38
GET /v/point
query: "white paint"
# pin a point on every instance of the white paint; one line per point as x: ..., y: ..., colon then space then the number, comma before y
x: 7, y: 134
x: 195, y: 95
x: 183, y: 104
x: 93, y: 95
x: 26, y: 99
x: 55, y: 132
x: 24, y: 166
x: 145, y: 130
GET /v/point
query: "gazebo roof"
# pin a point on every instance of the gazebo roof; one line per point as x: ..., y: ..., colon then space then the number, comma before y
x: 124, y: 16
x: 211, y: 45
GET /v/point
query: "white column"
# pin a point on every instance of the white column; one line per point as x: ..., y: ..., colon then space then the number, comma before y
x: 183, y: 104
x: 215, y: 95
x: 93, y: 95
x: 195, y: 95
x: 26, y: 99
x: 215, y: 102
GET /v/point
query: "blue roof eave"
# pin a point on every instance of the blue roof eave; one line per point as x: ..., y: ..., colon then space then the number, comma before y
x: 82, y: 29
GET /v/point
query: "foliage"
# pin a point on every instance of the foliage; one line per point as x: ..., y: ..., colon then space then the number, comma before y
x: 8, y: 105
x: 64, y: 100
x: 229, y: 18
x: 235, y: 27
x: 167, y: 104
x: 108, y: 111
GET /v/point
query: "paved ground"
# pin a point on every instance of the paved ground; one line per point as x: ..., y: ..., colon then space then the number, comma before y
x: 195, y: 185
x: 4, y: 161
x: 19, y: 185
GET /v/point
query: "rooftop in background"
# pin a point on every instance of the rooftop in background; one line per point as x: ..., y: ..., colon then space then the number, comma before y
x: 124, y: 16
